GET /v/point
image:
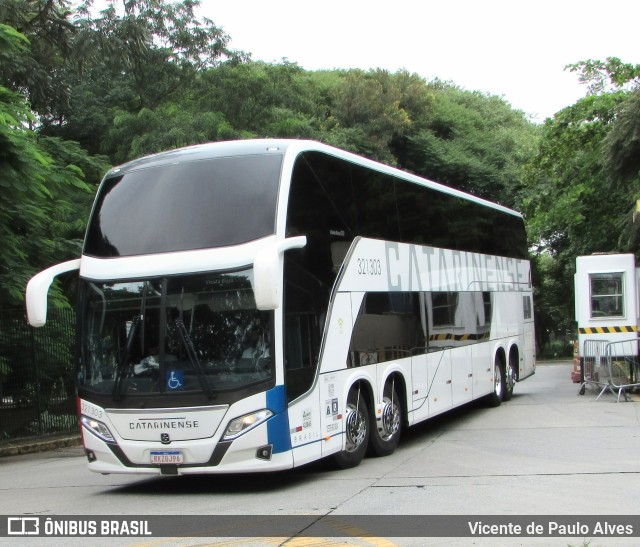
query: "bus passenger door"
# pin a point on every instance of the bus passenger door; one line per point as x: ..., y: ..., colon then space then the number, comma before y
x: 461, y: 375
x: 419, y: 368
x: 529, y: 337
x: 331, y: 381
x: 420, y: 387
x: 303, y: 321
x: 440, y: 313
x: 482, y: 360
x: 469, y: 316
x: 439, y: 375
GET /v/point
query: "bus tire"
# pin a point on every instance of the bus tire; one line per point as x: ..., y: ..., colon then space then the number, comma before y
x: 496, y: 397
x: 510, y: 377
x: 385, y: 432
x: 357, y: 431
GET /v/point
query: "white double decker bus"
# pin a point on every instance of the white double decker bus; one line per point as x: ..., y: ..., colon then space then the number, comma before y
x: 257, y: 305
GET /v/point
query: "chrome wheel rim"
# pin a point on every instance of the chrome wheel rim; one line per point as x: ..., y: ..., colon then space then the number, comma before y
x: 511, y: 376
x: 497, y: 375
x: 390, y: 420
x: 356, y: 428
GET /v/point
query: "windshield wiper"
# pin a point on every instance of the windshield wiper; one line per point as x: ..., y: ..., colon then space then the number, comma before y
x: 193, y: 357
x: 125, y: 357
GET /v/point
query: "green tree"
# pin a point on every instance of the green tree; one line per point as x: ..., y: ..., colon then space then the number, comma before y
x: 38, y: 73
x: 622, y: 160
x: 622, y: 144
x: 366, y: 114
x: 470, y: 141
x: 43, y: 190
x: 262, y: 99
x: 138, y: 54
x: 606, y: 76
x: 574, y: 195
x: 158, y: 45
x: 570, y: 204
x: 133, y: 135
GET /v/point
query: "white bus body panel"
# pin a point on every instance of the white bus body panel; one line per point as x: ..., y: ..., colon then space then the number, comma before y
x: 461, y: 375
x: 435, y: 381
x: 196, y: 447
x: 482, y: 359
x: 440, y: 380
x: 419, y: 391
x: 439, y: 374
x: 527, y: 361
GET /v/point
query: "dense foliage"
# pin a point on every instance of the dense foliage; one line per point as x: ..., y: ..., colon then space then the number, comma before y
x: 581, y: 185
x: 81, y: 89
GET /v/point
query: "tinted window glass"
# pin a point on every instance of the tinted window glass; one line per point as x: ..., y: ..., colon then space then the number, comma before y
x: 388, y: 327
x: 321, y: 208
x: 335, y: 200
x: 305, y: 308
x: 401, y: 324
x: 444, y: 305
x: 429, y: 217
x: 185, y: 206
x: 458, y: 318
x: 174, y: 336
x: 376, y: 207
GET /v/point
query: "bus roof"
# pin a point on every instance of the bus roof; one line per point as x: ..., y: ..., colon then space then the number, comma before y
x: 286, y: 147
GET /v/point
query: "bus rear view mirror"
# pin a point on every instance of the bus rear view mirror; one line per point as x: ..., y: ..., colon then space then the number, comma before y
x: 267, y: 277
x: 38, y: 288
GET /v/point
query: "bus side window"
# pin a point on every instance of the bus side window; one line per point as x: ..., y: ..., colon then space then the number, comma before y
x: 527, y: 307
x: 388, y: 327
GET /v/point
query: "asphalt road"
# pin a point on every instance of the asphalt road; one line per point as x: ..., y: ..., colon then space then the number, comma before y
x: 547, y: 452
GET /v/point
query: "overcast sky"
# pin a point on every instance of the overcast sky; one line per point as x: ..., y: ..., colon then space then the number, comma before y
x: 516, y: 49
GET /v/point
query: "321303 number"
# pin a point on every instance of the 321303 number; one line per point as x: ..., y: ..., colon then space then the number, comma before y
x: 369, y: 266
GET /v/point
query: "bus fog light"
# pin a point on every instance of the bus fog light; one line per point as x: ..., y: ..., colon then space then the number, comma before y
x: 245, y: 423
x: 98, y: 429
x: 264, y: 452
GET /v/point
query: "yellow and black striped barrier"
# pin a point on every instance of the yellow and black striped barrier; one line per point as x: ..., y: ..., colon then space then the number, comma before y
x: 608, y: 330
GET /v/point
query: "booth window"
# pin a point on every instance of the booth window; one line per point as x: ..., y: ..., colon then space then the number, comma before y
x: 607, y: 295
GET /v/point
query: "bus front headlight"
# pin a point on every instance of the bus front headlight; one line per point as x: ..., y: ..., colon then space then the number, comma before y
x: 241, y: 425
x: 99, y: 429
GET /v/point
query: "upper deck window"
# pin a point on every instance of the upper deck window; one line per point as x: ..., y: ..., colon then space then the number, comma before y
x: 334, y: 200
x: 185, y: 206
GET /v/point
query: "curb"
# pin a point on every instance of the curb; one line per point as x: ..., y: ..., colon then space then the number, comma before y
x: 32, y: 445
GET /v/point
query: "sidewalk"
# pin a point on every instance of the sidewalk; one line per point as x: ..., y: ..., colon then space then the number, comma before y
x: 29, y: 445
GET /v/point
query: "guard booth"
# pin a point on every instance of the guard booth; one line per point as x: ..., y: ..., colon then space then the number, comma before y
x: 607, y: 313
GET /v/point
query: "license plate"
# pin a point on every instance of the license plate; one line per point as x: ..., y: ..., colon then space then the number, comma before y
x: 167, y: 457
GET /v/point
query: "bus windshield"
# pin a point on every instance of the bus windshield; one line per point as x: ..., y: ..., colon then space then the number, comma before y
x: 173, y: 335
x: 184, y: 206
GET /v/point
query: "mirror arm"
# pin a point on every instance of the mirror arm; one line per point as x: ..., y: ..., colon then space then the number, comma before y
x: 38, y: 288
x: 297, y: 242
x: 267, y: 272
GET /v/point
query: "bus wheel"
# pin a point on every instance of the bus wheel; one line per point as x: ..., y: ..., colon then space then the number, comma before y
x: 385, y: 433
x: 510, y: 377
x: 356, y: 431
x: 495, y: 398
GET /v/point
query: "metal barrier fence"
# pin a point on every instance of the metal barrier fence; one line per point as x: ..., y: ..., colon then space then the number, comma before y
x: 611, y: 366
x: 37, y: 376
x: 594, y: 363
x: 622, y: 363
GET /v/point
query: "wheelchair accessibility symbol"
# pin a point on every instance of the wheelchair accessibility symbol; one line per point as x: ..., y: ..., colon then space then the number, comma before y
x: 175, y: 379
